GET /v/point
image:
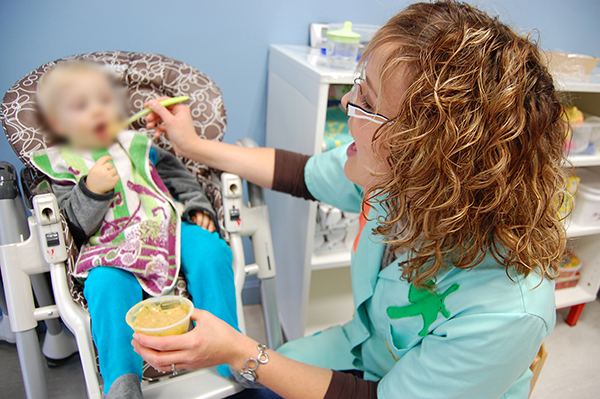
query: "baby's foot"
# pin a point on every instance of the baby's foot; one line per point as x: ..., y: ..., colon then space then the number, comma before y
x: 126, y: 386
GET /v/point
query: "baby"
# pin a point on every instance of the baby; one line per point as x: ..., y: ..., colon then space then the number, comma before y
x: 120, y: 194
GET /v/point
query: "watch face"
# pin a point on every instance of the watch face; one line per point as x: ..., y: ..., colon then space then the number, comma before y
x: 250, y: 376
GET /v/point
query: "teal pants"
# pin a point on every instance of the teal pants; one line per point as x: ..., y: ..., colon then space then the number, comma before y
x: 206, y: 262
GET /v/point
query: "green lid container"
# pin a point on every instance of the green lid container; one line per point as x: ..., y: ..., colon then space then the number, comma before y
x: 344, y: 35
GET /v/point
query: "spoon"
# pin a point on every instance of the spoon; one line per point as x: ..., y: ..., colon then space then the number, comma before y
x: 169, y: 101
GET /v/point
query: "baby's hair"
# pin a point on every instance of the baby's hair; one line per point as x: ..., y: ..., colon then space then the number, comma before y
x: 52, y: 81
x: 475, y: 151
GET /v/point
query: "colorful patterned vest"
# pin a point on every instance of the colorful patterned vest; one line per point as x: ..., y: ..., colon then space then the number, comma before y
x: 140, y: 231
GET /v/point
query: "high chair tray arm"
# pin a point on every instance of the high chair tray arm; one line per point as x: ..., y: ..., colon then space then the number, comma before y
x: 266, y: 262
x: 47, y: 214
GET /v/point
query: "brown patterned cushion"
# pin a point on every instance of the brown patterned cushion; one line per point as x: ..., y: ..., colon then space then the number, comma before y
x: 145, y: 76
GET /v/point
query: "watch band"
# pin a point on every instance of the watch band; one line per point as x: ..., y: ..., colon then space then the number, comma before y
x: 251, y: 365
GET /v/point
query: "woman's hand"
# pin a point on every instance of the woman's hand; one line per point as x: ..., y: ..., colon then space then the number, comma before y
x: 175, y: 121
x: 212, y: 342
x: 256, y: 165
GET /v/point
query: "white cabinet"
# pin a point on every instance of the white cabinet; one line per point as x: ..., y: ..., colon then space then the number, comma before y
x: 314, y: 290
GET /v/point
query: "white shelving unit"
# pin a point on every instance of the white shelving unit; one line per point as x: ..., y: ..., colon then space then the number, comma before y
x: 585, y: 160
x: 585, y: 240
x: 314, y: 291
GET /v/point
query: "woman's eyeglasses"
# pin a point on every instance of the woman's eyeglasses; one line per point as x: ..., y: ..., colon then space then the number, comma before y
x: 356, y: 103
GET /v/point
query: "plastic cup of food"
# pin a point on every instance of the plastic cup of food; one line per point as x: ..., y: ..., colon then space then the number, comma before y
x: 161, y: 316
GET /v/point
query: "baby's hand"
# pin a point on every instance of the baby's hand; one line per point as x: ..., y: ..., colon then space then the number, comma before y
x: 103, y: 177
x: 204, y: 221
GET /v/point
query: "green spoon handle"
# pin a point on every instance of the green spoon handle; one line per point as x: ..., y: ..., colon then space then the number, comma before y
x: 146, y: 111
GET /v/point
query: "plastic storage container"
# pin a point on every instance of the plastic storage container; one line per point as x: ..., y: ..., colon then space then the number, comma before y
x: 580, y: 139
x: 584, y: 133
x: 571, y: 67
x: 594, y: 123
x: 567, y: 282
x: 587, y: 200
x: 569, y: 266
x: 366, y: 32
x: 342, y: 47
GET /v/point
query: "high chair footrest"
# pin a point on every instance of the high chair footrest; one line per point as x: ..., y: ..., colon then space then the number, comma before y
x: 200, y: 384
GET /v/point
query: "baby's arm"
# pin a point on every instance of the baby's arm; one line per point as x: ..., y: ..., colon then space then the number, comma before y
x: 84, y: 207
x: 183, y: 186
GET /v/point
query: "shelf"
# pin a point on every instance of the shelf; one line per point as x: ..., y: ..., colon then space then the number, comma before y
x: 592, y: 86
x: 313, y: 60
x: 330, y: 300
x: 574, y: 230
x: 572, y: 296
x: 585, y: 160
x: 330, y: 260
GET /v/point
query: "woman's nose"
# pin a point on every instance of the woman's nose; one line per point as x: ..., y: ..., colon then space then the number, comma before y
x: 344, y: 100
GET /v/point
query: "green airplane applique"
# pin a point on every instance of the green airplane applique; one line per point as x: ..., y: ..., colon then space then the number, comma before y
x: 424, y: 303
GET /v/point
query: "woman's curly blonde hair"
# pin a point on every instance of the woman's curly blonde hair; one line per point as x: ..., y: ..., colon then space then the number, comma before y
x: 475, y: 152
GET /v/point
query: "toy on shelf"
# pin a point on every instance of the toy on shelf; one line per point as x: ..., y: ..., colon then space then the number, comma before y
x: 568, y: 201
x: 335, y: 230
x: 568, y: 275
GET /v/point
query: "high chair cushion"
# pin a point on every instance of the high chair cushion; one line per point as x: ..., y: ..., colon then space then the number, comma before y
x: 144, y: 76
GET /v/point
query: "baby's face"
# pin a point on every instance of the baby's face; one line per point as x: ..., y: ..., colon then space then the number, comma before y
x: 84, y: 111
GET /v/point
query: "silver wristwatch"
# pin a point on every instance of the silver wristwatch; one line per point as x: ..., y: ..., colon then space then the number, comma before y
x: 251, y: 365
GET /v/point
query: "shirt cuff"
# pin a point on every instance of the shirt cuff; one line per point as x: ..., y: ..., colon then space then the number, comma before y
x: 348, y: 386
x: 90, y: 194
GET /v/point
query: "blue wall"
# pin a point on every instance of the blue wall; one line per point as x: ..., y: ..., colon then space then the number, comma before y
x: 229, y: 39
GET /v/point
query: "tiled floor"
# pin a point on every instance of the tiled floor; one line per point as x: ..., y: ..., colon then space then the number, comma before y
x: 571, y: 371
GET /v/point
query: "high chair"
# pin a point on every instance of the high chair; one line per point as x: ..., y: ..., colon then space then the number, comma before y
x: 42, y: 242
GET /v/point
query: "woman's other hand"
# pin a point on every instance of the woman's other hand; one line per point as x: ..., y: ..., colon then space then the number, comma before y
x: 175, y: 121
x: 212, y: 342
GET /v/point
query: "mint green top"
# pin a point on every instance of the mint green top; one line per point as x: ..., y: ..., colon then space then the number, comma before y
x: 474, y: 336
x: 344, y: 35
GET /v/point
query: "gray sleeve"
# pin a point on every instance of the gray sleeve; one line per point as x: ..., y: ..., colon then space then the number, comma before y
x: 182, y: 185
x: 83, y: 209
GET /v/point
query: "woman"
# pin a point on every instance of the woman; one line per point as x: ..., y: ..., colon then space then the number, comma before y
x: 456, y: 166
